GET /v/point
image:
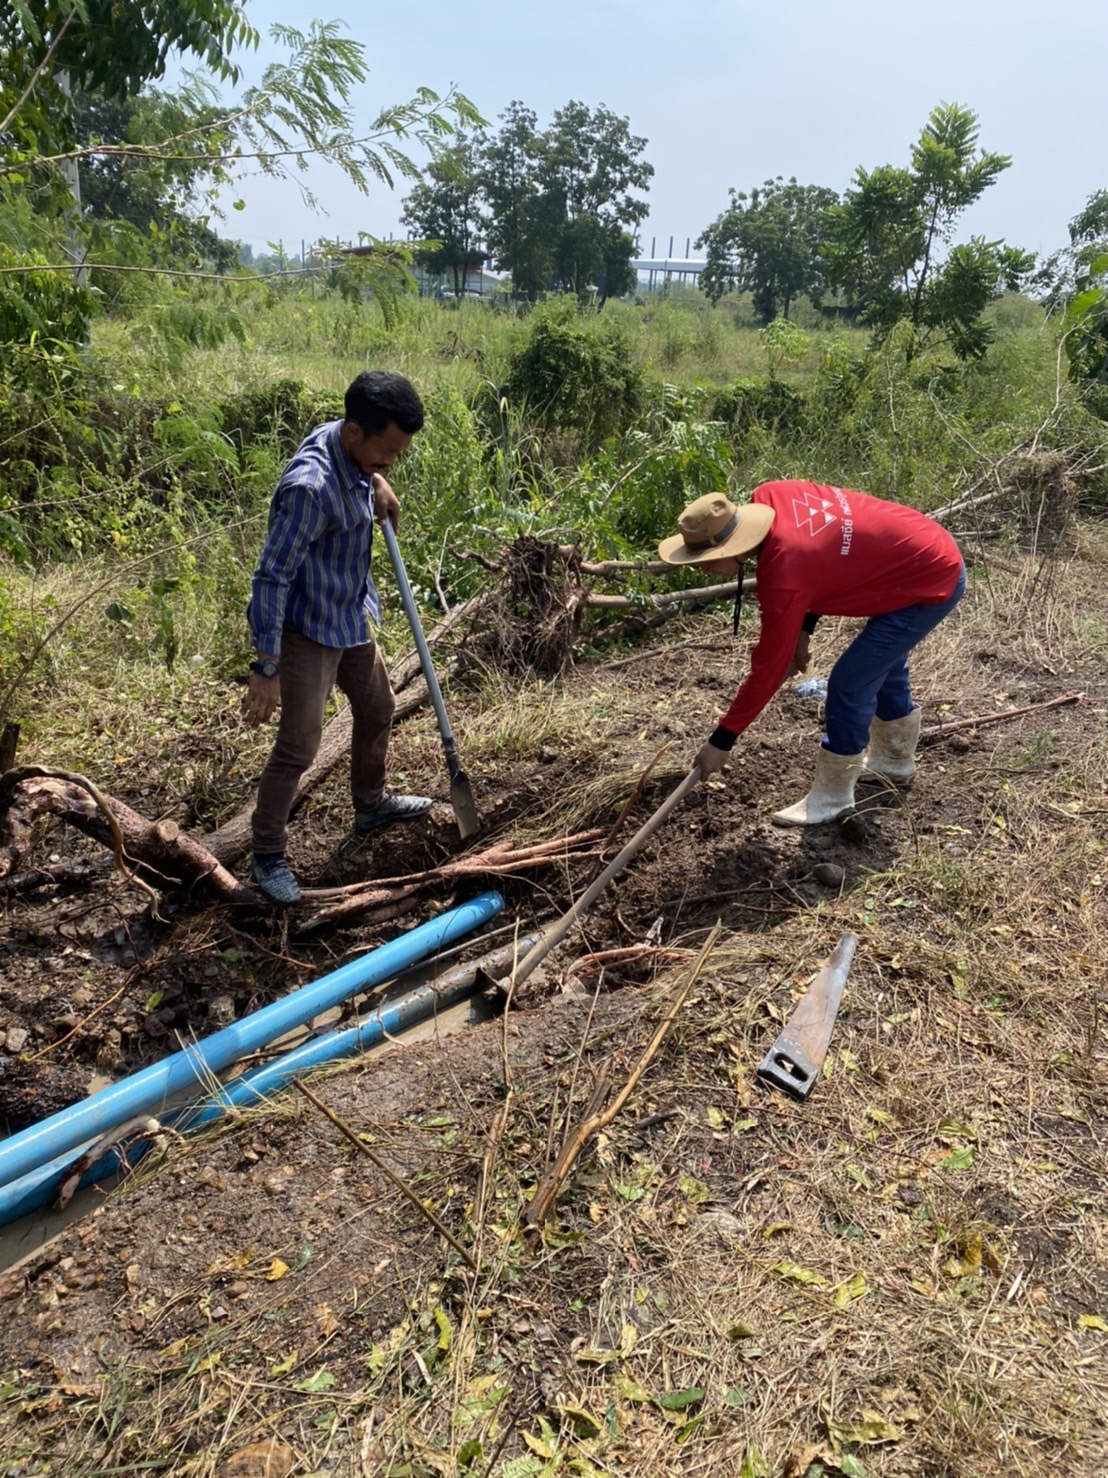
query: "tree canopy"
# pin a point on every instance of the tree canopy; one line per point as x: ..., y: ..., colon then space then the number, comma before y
x: 555, y: 205
x: 890, y: 246
x: 445, y: 209
x: 768, y: 243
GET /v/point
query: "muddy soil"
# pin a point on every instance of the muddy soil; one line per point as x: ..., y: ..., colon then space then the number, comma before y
x: 94, y: 988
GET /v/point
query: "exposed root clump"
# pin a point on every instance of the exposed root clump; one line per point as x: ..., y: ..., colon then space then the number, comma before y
x: 1044, y: 498
x: 535, y: 617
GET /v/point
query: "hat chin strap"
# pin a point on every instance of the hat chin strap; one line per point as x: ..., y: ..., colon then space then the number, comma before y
x: 737, y: 612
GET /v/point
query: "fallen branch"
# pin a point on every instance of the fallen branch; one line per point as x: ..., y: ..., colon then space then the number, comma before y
x: 69, y: 870
x: 598, y: 1117
x: 934, y: 732
x: 493, y: 1140
x: 630, y: 626
x: 158, y: 846
x: 400, y: 1184
x: 701, y: 595
x: 500, y: 860
x: 174, y: 860
x: 13, y: 779
x: 963, y: 504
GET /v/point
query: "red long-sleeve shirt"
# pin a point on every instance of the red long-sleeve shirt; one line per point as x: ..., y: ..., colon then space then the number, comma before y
x: 835, y: 552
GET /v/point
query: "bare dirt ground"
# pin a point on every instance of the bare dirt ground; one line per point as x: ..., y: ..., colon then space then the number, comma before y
x: 907, y: 1275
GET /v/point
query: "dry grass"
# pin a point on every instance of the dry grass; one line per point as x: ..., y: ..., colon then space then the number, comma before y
x: 906, y: 1276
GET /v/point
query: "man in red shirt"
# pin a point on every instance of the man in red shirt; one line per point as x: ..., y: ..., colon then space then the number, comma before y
x: 829, y: 551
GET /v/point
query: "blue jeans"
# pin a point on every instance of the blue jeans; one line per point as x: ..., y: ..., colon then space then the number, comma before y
x: 871, y: 676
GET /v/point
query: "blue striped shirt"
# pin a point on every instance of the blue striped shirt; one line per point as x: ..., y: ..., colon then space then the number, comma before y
x: 313, y: 571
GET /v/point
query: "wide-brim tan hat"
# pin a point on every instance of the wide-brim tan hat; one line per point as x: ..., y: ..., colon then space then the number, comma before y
x: 714, y: 528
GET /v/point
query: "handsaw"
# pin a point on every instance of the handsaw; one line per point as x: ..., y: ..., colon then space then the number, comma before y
x: 794, y: 1061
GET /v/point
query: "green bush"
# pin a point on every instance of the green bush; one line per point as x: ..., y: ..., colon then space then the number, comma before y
x: 764, y: 404
x: 40, y: 306
x: 284, y: 412
x: 575, y: 374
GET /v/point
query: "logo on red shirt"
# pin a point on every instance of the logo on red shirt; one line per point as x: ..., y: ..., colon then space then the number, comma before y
x: 814, y: 514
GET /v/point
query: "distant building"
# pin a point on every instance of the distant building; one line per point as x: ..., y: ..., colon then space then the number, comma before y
x: 655, y: 272
x: 480, y: 282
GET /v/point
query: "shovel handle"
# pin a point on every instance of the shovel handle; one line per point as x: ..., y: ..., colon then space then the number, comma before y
x: 408, y: 602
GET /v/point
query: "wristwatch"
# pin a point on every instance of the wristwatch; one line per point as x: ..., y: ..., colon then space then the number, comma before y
x: 268, y: 668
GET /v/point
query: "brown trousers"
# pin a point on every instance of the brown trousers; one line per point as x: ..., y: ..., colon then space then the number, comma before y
x: 308, y: 674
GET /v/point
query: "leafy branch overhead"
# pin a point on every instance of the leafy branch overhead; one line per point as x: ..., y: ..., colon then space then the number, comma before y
x: 299, y: 112
x: 889, y: 247
x: 155, y: 163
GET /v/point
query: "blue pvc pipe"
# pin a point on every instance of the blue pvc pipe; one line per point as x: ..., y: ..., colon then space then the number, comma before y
x: 39, y: 1187
x: 149, y: 1089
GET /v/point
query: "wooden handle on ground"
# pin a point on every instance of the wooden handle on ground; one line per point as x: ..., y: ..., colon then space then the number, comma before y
x: 561, y: 927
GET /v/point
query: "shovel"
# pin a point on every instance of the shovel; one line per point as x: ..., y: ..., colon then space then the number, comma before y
x: 461, y: 797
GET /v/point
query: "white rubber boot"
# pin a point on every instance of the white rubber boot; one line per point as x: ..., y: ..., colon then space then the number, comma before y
x: 892, y: 747
x: 831, y: 794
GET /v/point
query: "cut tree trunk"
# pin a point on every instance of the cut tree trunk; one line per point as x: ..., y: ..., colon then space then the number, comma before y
x: 160, y: 847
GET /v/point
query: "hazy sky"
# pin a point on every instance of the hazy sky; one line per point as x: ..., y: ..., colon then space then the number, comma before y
x: 730, y: 92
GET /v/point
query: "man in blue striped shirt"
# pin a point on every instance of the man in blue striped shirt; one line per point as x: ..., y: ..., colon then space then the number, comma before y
x: 310, y: 612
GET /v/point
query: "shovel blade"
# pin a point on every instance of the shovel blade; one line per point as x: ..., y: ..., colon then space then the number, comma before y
x: 465, y: 807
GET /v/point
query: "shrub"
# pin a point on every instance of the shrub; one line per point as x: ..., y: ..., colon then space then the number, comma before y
x: 284, y: 411
x: 576, y: 375
x: 766, y: 404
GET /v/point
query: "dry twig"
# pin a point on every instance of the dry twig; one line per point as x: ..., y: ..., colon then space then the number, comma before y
x: 934, y: 732
x: 400, y: 1184
x: 598, y: 1117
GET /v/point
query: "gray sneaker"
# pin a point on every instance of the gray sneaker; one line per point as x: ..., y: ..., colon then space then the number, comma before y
x: 276, y: 880
x: 392, y: 808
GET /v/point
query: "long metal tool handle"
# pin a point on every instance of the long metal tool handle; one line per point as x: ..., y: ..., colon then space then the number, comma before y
x: 408, y: 602
x: 561, y: 927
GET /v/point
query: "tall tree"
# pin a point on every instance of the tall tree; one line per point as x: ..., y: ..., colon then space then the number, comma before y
x: 890, y: 247
x: 768, y: 243
x: 520, y: 228
x: 445, y: 208
x: 591, y: 164
x: 560, y: 201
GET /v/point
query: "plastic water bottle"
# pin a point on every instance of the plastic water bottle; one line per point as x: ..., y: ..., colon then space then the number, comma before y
x: 811, y: 687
